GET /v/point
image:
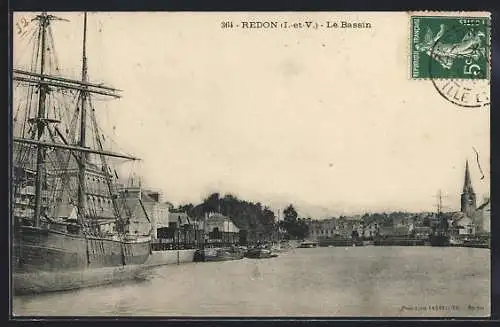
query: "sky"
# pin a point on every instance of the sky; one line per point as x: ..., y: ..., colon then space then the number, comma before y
x: 328, y: 120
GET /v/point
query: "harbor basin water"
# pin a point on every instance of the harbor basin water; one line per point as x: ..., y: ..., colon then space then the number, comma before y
x: 336, y: 281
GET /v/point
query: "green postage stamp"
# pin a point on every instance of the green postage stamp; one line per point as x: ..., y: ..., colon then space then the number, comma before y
x: 450, y: 47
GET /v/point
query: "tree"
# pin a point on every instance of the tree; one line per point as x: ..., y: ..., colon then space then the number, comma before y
x: 267, y: 218
x: 302, y: 229
x: 290, y: 214
x: 212, y: 203
x: 295, y: 228
x: 254, y: 218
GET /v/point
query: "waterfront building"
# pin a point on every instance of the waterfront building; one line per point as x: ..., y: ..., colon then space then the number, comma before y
x: 129, y: 200
x: 394, y: 231
x: 322, y: 228
x: 401, y: 222
x: 157, y: 211
x: 370, y: 230
x: 180, y: 219
x: 421, y: 232
x: 482, y: 218
x: 460, y: 224
x: 221, y: 229
x: 465, y: 226
x: 181, y: 229
x: 342, y: 227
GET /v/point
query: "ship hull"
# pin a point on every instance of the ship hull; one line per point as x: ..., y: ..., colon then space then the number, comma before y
x: 47, y: 260
x: 53, y: 281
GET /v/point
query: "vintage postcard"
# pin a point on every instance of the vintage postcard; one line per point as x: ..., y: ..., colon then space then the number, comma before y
x: 312, y: 164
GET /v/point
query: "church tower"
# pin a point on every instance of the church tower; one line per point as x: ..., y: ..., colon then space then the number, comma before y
x: 468, y: 198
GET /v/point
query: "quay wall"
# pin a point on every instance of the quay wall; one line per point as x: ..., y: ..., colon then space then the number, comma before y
x: 170, y: 257
x: 399, y: 242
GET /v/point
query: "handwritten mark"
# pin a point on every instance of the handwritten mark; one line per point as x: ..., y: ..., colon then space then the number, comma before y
x: 479, y: 165
x: 21, y: 26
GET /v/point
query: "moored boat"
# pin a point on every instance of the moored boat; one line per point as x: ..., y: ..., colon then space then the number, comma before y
x: 218, y: 254
x: 440, y: 235
x: 277, y: 248
x: 260, y: 253
x: 455, y: 241
x: 308, y: 244
x: 71, y: 221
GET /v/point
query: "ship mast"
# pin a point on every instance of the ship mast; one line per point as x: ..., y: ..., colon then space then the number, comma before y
x: 83, y: 122
x: 45, y: 83
x: 278, y: 227
x: 440, y: 203
x: 40, y: 122
x: 442, y: 223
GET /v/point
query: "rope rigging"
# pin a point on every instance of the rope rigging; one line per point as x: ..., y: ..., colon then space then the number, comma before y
x: 61, y: 101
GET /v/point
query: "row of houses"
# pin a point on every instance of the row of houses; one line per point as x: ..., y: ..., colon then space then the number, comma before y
x: 418, y: 226
x: 164, y: 222
x: 347, y: 227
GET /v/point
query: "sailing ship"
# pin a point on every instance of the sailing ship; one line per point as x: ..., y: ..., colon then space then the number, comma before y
x: 72, y: 224
x: 440, y: 235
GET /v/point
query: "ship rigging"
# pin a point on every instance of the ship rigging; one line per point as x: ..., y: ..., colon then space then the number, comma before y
x: 75, y: 218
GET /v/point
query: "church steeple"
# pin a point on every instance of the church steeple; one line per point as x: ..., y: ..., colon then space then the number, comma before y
x: 468, y: 198
x: 467, y: 181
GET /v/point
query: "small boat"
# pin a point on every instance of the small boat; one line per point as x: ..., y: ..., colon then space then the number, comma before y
x: 308, y: 245
x: 260, y: 253
x: 276, y: 248
x: 218, y: 254
x: 455, y: 241
x: 243, y: 249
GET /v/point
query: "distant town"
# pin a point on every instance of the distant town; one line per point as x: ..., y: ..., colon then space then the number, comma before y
x: 224, y: 220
